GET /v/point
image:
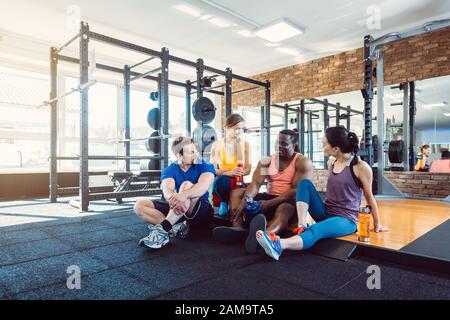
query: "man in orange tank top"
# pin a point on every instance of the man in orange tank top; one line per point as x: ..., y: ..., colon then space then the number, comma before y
x: 282, y: 170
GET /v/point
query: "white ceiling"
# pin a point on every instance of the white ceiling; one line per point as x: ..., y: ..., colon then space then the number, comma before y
x: 331, y: 26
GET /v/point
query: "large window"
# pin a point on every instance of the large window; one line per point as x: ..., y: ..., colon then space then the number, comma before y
x: 103, y: 125
x: 24, y: 129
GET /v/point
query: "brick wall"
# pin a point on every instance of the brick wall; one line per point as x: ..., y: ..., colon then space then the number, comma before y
x: 319, y: 180
x: 421, y: 184
x: 416, y: 58
x: 412, y: 184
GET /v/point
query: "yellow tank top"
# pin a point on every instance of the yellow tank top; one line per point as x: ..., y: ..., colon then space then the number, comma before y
x: 229, y: 155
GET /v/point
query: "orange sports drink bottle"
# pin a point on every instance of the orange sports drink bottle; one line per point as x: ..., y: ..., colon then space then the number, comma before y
x: 239, y: 179
x: 364, y: 224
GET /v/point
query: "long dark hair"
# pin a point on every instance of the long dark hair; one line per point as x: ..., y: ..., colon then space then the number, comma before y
x: 346, y: 140
x: 293, y: 136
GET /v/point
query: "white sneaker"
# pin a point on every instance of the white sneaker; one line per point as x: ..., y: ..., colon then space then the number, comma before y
x: 180, y: 230
x: 156, y: 239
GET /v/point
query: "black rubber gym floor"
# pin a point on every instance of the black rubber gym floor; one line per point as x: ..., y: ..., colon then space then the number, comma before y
x: 39, y: 241
x: 433, y: 243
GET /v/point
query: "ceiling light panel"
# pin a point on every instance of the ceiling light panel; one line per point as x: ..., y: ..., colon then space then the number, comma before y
x: 278, y: 31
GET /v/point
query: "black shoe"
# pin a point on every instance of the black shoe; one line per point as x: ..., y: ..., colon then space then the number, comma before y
x: 258, y: 223
x: 229, y: 234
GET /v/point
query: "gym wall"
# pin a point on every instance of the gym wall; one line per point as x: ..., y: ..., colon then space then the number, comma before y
x: 416, y: 58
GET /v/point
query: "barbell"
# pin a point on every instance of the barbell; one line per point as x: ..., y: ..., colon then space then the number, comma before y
x: 151, y: 137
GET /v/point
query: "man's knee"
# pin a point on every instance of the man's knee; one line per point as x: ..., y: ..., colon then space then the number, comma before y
x: 141, y: 204
x: 284, y: 210
x: 237, y: 193
x: 186, y: 185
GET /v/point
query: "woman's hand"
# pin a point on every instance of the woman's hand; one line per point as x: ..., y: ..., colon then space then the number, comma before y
x: 237, y: 172
x: 378, y: 227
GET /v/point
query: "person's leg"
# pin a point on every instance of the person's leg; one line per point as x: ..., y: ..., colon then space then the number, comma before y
x: 147, y: 211
x: 235, y: 200
x: 308, y: 199
x: 236, y: 232
x: 333, y: 227
x: 278, y: 216
x: 153, y: 212
x: 172, y: 217
x: 222, y: 186
x: 283, y: 213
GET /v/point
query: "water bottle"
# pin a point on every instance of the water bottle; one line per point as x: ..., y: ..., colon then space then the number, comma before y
x: 364, y: 224
x: 240, y: 179
x: 252, y: 207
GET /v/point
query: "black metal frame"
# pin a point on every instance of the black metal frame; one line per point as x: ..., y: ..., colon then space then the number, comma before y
x: 85, y: 35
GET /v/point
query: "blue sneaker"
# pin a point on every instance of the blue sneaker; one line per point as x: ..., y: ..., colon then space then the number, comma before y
x: 270, y: 243
x: 223, y: 209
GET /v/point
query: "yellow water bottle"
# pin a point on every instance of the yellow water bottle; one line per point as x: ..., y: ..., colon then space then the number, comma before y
x: 364, y: 224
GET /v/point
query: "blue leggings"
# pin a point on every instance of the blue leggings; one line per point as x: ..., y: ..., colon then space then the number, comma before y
x: 327, y: 225
x: 222, y: 187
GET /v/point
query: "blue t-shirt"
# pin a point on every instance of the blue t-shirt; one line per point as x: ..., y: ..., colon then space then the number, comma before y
x: 193, y: 174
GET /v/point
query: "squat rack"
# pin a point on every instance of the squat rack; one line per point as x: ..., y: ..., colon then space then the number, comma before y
x: 310, y: 115
x: 373, y: 50
x: 85, y: 35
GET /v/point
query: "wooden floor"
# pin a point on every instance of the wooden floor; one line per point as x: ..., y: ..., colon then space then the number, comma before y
x: 407, y: 220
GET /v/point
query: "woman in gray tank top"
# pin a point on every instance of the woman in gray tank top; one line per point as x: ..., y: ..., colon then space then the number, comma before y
x: 338, y: 215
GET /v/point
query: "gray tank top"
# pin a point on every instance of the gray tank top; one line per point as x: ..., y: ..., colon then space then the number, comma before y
x: 343, y: 196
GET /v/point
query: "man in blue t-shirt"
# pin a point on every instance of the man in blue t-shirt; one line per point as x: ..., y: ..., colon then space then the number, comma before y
x: 185, y: 185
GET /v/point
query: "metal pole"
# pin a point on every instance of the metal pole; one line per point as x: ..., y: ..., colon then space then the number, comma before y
x: 310, y: 136
x: 368, y: 96
x: 267, y: 116
x: 188, y: 108
x: 286, y: 116
x: 338, y: 122
x: 200, y: 70
x: 84, y: 118
x: 348, y: 117
x: 127, y: 93
x: 164, y: 100
x: 53, y: 125
x: 299, y: 132
x: 263, y: 134
x: 380, y: 120
x: 302, y: 127
x: 228, y: 92
x: 405, y: 126
x: 326, y: 125
x: 412, y: 115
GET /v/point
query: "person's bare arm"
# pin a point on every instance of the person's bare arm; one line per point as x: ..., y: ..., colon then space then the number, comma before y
x: 178, y: 200
x: 253, y: 188
x: 364, y: 173
x: 303, y: 169
x: 201, y: 187
x: 168, y: 188
x: 248, y: 163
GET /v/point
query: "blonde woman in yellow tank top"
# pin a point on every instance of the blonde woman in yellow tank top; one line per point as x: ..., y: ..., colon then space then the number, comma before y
x: 230, y: 156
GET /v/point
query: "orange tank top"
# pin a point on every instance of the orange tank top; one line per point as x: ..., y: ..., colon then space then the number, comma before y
x: 228, y: 160
x: 280, y: 181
